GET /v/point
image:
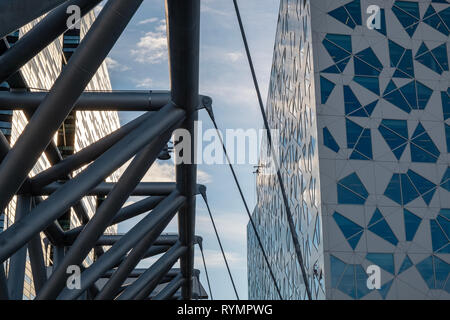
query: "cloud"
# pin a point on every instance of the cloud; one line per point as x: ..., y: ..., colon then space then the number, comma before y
x: 114, y: 65
x: 231, y: 227
x: 210, y: 7
x: 160, y: 172
x: 152, y: 47
x: 165, y: 172
x: 144, y: 83
x: 240, y: 94
x: 214, y: 259
x: 146, y: 21
x: 203, y: 177
x: 234, y: 56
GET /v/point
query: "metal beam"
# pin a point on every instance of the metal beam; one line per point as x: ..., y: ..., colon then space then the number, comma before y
x: 74, y: 77
x: 4, y: 146
x: 130, y: 262
x: 17, y: 13
x: 111, y: 239
x: 64, y: 167
x: 137, y: 208
x: 137, y: 272
x: 171, y: 288
x: 37, y: 262
x: 104, y: 188
x: 40, y: 36
x: 152, y: 100
x: 154, y: 189
x: 72, y: 191
x: 36, y: 254
x: 104, y: 215
x: 16, y: 272
x: 155, y: 250
x: 145, y: 284
x: 53, y: 232
x: 142, y: 139
x: 53, y: 155
x: 125, y: 213
x: 4, y: 294
x: 52, y: 152
x: 18, y: 84
x: 183, y: 19
x: 137, y: 254
x: 167, y: 208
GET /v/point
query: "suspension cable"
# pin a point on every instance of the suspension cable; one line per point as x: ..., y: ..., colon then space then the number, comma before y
x: 269, y: 138
x: 206, y: 271
x: 272, y: 275
x: 220, y: 244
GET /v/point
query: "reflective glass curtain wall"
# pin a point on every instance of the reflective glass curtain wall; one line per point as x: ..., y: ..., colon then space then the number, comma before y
x: 375, y: 127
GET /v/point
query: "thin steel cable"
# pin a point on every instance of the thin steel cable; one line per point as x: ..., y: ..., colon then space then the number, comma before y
x: 272, y: 275
x: 269, y: 137
x: 206, y: 272
x: 221, y: 247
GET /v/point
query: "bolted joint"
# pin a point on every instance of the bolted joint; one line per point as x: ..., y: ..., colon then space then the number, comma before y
x: 206, y: 103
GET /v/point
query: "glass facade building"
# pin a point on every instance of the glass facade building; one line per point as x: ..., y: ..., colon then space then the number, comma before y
x: 80, y: 129
x: 364, y: 150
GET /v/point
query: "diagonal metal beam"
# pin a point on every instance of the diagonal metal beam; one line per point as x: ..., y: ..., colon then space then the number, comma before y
x: 75, y: 76
x: 111, y: 287
x: 137, y: 208
x: 16, y: 272
x: 37, y: 262
x: 148, y: 133
x: 54, y: 232
x: 104, y: 214
x: 144, y: 285
x: 54, y: 156
x: 155, y: 250
x: 4, y: 293
x: 20, y: 12
x: 137, y: 254
x: 171, y: 288
x: 136, y: 273
x: 17, y: 83
x: 40, y: 36
x: 64, y: 167
x: 4, y: 146
x: 72, y: 191
x: 166, y: 209
x: 125, y: 213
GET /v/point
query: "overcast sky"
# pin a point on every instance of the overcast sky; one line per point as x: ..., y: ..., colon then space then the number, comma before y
x: 139, y: 61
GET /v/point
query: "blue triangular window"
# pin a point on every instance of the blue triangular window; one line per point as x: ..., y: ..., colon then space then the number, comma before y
x: 407, y: 263
x: 412, y: 223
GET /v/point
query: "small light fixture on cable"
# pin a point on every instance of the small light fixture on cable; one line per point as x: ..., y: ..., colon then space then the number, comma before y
x: 164, y: 155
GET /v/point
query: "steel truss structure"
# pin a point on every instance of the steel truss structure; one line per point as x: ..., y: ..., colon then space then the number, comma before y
x: 141, y: 140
